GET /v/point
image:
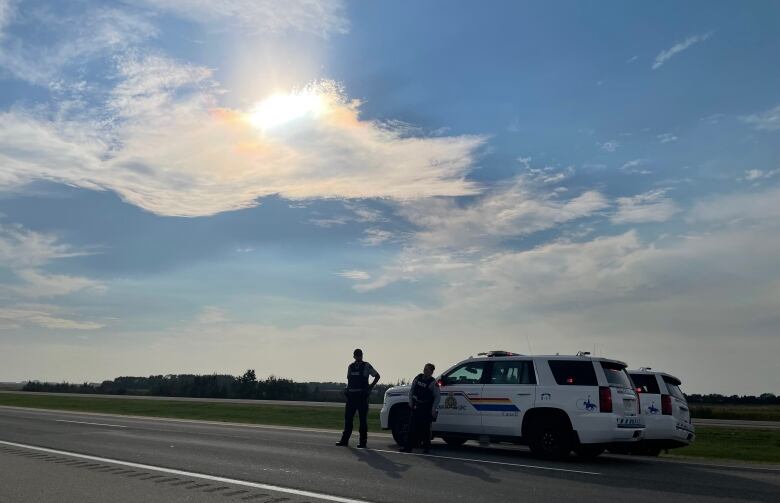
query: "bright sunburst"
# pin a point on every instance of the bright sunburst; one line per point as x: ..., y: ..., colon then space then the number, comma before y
x: 279, y: 109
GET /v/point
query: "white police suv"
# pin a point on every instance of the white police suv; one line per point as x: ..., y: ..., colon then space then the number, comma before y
x: 664, y: 411
x: 554, y: 404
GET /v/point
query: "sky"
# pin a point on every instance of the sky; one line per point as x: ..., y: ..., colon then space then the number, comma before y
x: 207, y: 186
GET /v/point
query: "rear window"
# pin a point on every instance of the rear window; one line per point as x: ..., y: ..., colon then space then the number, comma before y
x: 645, y: 383
x: 616, y: 375
x: 673, y: 388
x: 573, y: 373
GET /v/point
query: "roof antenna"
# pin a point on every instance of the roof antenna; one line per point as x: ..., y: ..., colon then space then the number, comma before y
x: 530, y: 351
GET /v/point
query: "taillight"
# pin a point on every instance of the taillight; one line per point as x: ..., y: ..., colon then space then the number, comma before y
x: 605, y: 399
x: 666, y: 405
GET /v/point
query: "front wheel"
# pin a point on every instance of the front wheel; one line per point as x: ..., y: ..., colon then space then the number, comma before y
x: 551, y: 442
x: 399, y: 426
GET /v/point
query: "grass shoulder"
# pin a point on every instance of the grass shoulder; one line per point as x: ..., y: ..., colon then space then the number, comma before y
x: 278, y: 415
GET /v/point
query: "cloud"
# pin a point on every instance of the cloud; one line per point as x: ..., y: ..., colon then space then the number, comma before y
x: 320, y: 17
x: 764, y: 121
x: 632, y: 59
x: 354, y: 275
x: 38, y: 284
x: 756, y: 175
x: 666, y: 137
x: 677, y: 48
x: 651, y: 206
x: 375, y: 237
x: 24, y: 249
x: 452, y: 236
x: 169, y: 149
x: 510, y: 211
x: 609, y: 146
x: 23, y: 256
x: 211, y: 315
x: 739, y: 209
x: 41, y: 316
x: 97, y: 32
x: 635, y: 167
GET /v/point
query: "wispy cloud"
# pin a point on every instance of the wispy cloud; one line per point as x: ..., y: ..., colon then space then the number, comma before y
x: 756, y: 175
x: 666, y: 137
x: 320, y: 17
x: 211, y: 315
x: 766, y: 121
x: 651, y: 206
x: 375, y: 237
x: 677, y: 48
x: 354, y: 274
x: 636, y: 166
x: 609, y: 146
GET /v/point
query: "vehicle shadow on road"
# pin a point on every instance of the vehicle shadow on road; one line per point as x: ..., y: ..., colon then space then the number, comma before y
x: 379, y: 462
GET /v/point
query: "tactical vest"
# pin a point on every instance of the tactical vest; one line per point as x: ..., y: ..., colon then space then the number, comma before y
x: 357, y: 380
x: 422, y: 393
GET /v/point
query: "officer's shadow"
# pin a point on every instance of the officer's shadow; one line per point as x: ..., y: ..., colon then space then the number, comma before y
x: 379, y: 462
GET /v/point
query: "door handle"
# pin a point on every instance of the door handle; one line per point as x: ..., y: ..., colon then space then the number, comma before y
x: 524, y: 394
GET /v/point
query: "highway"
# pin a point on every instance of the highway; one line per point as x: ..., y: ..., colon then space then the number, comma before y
x: 64, y: 456
x: 724, y: 423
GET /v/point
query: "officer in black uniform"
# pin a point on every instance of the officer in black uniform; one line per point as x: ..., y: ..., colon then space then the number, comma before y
x: 357, y: 392
x: 424, y: 404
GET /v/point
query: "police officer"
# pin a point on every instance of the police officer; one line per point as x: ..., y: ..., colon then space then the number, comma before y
x: 424, y: 405
x: 357, y: 392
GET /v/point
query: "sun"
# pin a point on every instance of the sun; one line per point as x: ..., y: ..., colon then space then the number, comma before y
x: 279, y: 109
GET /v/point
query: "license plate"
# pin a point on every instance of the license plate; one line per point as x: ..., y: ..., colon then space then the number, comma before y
x: 629, y: 422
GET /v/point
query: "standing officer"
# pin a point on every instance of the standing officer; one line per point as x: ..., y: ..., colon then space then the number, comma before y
x: 357, y: 392
x: 424, y: 405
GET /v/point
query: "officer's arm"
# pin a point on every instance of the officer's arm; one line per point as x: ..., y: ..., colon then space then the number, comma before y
x: 436, y: 397
x: 372, y: 371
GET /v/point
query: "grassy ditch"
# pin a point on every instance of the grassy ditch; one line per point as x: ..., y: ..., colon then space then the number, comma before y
x: 744, y: 444
x: 281, y: 415
x: 741, y: 412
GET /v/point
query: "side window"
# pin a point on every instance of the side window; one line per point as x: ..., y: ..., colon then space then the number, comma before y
x: 645, y: 383
x: 468, y: 373
x: 573, y: 373
x: 512, y: 372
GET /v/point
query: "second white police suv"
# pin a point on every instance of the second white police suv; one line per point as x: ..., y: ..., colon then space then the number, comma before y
x: 554, y: 404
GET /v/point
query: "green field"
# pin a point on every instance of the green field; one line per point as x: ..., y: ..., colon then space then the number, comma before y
x: 744, y: 412
x: 744, y: 444
x: 294, y: 415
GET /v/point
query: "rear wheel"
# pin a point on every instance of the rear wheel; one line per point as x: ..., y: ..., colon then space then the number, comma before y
x: 551, y: 441
x: 454, y: 441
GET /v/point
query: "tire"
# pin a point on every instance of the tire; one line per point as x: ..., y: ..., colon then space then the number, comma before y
x: 551, y: 441
x: 589, y: 451
x: 399, y: 425
x: 454, y: 441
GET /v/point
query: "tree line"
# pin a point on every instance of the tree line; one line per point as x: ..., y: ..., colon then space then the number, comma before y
x: 211, y: 386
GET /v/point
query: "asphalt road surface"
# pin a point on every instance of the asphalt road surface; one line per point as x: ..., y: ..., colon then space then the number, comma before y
x: 61, y: 456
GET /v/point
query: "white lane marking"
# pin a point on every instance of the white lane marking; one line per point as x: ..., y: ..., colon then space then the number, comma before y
x: 93, y: 424
x: 535, y: 467
x: 244, y: 483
